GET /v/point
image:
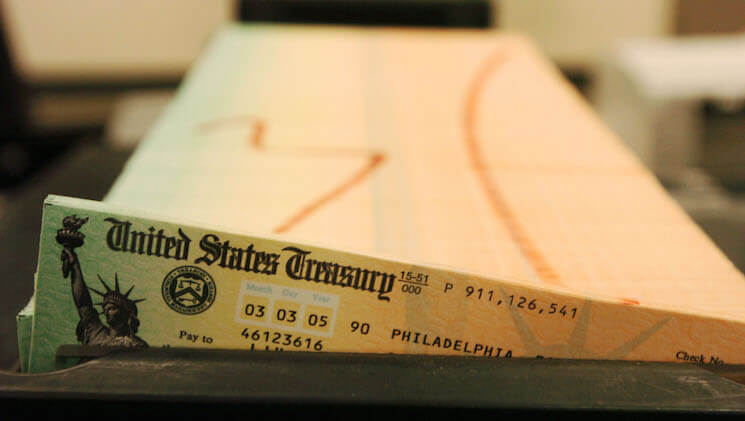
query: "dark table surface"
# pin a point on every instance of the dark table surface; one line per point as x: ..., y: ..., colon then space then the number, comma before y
x: 246, y: 383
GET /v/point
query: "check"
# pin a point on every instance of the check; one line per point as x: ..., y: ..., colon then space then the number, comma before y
x: 109, y: 276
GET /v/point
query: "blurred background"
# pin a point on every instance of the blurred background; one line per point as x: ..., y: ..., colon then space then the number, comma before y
x: 82, y: 81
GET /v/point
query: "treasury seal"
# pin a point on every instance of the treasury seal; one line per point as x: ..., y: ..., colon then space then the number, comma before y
x: 189, y: 290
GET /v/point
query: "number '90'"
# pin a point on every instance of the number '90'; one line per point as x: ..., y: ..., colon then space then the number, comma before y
x: 362, y: 328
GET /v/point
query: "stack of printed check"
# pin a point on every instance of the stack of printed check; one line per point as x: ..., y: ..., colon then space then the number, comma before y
x: 505, y: 220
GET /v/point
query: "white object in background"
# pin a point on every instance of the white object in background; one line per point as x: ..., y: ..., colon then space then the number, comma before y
x: 649, y: 92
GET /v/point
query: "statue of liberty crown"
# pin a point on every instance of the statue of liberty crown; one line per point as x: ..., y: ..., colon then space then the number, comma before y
x: 114, y: 296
